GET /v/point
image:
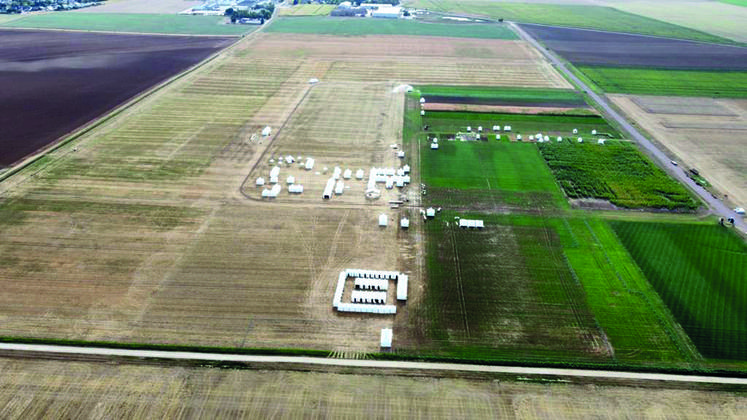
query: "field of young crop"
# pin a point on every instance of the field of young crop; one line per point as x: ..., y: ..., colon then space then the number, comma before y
x: 580, y: 16
x: 132, y: 22
x: 721, y: 84
x: 617, y: 172
x: 506, y: 290
x: 502, y: 95
x: 362, y: 26
x: 307, y: 10
x: 699, y: 271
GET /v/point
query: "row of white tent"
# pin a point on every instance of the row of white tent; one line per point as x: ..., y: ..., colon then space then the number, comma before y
x: 469, y: 223
x: 272, y: 192
x: 367, y: 308
x: 371, y: 284
x: 365, y: 296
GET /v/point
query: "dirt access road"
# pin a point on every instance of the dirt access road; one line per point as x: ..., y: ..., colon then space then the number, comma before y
x: 32, y: 350
x: 664, y: 161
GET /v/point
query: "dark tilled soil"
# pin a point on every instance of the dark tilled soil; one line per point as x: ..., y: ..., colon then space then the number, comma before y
x: 53, y: 82
x: 588, y: 47
x: 495, y: 101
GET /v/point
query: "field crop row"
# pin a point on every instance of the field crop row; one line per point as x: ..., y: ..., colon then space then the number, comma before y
x: 699, y: 271
x: 452, y: 122
x: 726, y: 84
x: 307, y: 10
x: 363, y: 26
x: 616, y: 172
x: 504, y: 94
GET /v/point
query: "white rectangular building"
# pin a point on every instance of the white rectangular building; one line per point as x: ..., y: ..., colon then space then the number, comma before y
x: 386, y: 338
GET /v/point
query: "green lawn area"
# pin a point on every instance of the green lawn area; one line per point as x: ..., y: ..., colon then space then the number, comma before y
x: 668, y: 82
x: 699, y: 271
x: 508, y: 94
x: 580, y: 16
x: 365, y: 26
x: 132, y: 22
x: 742, y: 3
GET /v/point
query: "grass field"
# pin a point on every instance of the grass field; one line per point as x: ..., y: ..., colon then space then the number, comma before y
x: 668, y: 82
x: 362, y: 26
x: 617, y: 172
x: 699, y: 271
x: 503, y: 93
x: 448, y: 122
x: 306, y: 10
x: 725, y: 20
x: 503, y: 290
x: 131, y: 22
x: 581, y: 16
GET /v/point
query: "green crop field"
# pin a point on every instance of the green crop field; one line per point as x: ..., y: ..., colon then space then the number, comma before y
x: 132, y: 22
x: 617, y: 172
x: 699, y: 271
x: 505, y: 94
x: 363, y: 26
x: 742, y: 3
x: 580, y: 16
x: 307, y: 10
x: 668, y: 82
x: 504, y: 290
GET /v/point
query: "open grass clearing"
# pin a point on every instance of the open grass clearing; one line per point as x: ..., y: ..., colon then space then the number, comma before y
x: 132, y: 22
x: 718, y: 84
x: 717, y: 18
x: 307, y: 10
x: 580, y: 16
x: 342, y: 26
x: 699, y: 273
x: 701, y: 133
x: 617, y: 172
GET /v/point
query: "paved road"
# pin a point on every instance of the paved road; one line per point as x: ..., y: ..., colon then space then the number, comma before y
x: 32, y: 350
x: 665, y: 162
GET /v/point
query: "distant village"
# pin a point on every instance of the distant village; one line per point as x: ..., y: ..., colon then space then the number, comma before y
x: 25, y: 6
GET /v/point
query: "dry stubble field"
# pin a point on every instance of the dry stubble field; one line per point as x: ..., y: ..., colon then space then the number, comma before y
x: 139, y: 231
x: 40, y: 389
x: 704, y: 133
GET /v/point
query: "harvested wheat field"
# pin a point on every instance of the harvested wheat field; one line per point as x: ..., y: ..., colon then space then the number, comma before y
x: 150, y: 228
x: 39, y: 389
x: 704, y: 133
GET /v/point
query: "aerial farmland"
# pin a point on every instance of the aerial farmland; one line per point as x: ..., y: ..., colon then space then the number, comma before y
x: 321, y: 183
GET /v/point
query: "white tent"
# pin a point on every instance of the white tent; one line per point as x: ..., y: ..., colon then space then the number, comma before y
x: 359, y: 174
x: 383, y: 220
x: 290, y: 180
x: 266, y: 131
x: 404, y: 223
x: 434, y: 146
x: 386, y: 338
x: 260, y: 181
x: 309, y: 164
x: 295, y: 189
x: 347, y: 174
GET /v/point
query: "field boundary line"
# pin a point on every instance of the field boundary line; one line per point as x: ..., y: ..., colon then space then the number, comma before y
x: 64, y: 352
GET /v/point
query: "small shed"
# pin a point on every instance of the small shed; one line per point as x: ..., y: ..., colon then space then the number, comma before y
x: 430, y: 212
x: 593, y: 132
x: 404, y: 223
x: 507, y: 128
x: 401, y: 154
x: 295, y: 189
x: 518, y: 137
x: 339, y: 188
x: 496, y: 128
x: 359, y: 174
x: 309, y: 165
x: 422, y: 113
x: 386, y: 338
x: 560, y: 139
x: 383, y: 220
x: 273, y: 180
x: 434, y: 146
x: 347, y: 174
x: 290, y: 180
x: 260, y: 181
x: 479, y: 129
x: 266, y: 131
x: 469, y: 128
x: 406, y: 169
x: 580, y: 140
x: 575, y: 131
x: 422, y: 100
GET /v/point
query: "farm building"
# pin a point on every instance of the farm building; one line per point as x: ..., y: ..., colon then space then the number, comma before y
x: 434, y: 146
x: 391, y: 12
x: 507, y: 128
x: 386, y: 338
x: 404, y: 223
x: 336, y: 173
x: 496, y: 128
x: 430, y: 212
x: 402, y: 280
x: 266, y: 131
x: 295, y: 189
x: 339, y: 188
x: 260, y: 181
x: 383, y: 220
x: 327, y: 194
x: 309, y: 165
x: 347, y: 174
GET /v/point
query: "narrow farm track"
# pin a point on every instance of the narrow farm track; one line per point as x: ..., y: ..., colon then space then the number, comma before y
x: 68, y: 352
x: 660, y: 157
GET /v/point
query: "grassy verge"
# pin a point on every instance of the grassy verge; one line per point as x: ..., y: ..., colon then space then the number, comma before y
x: 668, y: 82
x: 132, y: 22
x: 364, y: 26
